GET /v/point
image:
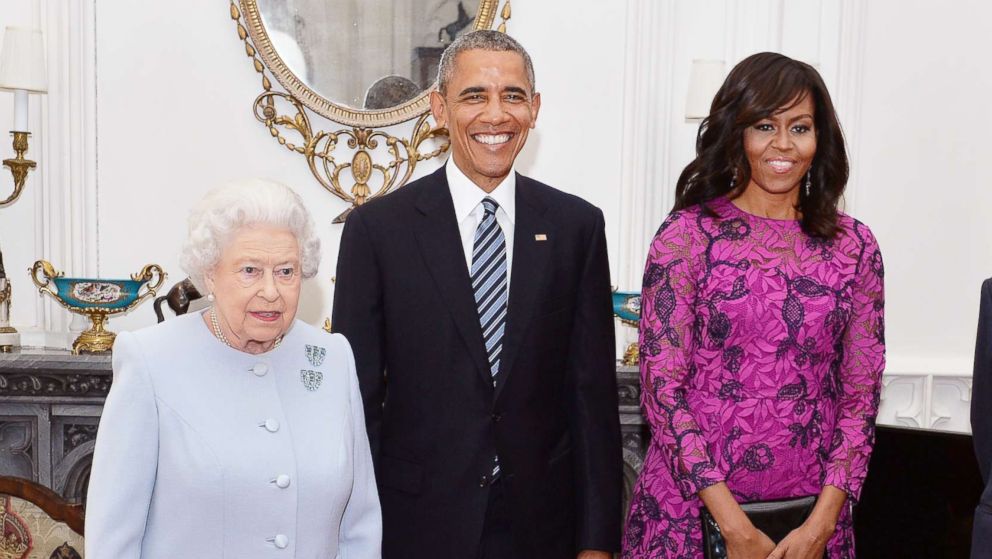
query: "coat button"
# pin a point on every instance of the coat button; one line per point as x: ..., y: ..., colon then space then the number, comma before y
x: 260, y: 369
x: 271, y: 425
x: 282, y: 481
x: 280, y: 541
x: 484, y: 480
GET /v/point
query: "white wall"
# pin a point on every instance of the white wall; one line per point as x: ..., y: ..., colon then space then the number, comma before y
x: 151, y: 105
x: 925, y: 188
x: 196, y: 128
x: 55, y: 218
x: 18, y: 233
x: 925, y: 181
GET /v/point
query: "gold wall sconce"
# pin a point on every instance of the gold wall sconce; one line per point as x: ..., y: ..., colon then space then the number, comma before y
x: 22, y: 71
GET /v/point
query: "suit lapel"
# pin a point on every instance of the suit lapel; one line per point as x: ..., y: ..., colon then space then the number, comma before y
x: 530, y: 263
x: 440, y: 243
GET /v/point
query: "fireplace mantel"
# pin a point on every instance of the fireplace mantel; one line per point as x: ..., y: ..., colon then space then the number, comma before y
x: 51, y: 400
x: 50, y: 404
x: 930, y: 401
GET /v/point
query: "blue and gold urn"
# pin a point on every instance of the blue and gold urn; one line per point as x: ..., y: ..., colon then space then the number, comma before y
x: 97, y: 299
x: 627, y: 307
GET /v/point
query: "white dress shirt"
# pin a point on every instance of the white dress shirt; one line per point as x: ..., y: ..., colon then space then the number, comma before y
x: 468, y: 197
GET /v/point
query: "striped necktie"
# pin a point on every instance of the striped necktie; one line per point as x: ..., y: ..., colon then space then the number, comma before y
x: 489, y: 285
x: 489, y: 282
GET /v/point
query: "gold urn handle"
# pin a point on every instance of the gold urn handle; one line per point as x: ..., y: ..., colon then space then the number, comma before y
x: 146, y: 275
x: 44, y: 283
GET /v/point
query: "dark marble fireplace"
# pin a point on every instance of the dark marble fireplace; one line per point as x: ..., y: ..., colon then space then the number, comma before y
x: 920, y: 496
x: 50, y: 404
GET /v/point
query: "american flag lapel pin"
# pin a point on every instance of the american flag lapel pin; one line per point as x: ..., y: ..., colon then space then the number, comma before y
x: 540, y: 237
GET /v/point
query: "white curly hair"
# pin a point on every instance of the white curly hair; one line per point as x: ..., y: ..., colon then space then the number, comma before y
x: 235, y: 205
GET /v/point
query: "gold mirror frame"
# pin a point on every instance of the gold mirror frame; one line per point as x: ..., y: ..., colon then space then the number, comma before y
x: 323, y: 149
x: 339, y: 113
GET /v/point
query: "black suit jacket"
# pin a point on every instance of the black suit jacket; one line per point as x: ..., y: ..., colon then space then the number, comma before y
x: 404, y: 300
x: 981, y: 424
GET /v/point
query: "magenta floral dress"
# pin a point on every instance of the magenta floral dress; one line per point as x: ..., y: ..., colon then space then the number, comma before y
x: 762, y: 350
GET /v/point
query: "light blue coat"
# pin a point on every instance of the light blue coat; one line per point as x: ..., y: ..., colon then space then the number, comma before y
x: 206, y: 451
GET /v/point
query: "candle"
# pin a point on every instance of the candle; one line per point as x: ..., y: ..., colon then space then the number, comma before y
x: 20, y: 110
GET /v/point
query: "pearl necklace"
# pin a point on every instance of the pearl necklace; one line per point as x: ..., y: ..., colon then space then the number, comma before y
x: 220, y: 333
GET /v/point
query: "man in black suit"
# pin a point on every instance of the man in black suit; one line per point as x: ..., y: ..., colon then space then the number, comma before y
x: 477, y: 302
x: 981, y: 425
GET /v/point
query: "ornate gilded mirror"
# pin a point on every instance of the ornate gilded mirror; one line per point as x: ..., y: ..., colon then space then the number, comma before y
x: 365, y: 64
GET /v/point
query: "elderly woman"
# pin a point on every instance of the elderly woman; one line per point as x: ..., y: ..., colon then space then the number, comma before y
x: 236, y: 432
x: 761, y: 330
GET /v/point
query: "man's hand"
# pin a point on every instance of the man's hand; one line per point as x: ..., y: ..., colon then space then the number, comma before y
x: 592, y: 554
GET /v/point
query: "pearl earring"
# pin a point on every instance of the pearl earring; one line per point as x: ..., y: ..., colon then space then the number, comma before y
x: 210, y: 297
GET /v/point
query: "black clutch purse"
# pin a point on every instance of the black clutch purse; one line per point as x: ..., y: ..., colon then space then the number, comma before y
x: 775, y: 518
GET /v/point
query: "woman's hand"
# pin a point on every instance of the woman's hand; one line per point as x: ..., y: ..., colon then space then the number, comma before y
x: 809, y: 540
x: 743, y: 540
x: 749, y: 543
x: 805, y: 542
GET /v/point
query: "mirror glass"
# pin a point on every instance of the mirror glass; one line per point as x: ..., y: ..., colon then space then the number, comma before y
x: 365, y: 54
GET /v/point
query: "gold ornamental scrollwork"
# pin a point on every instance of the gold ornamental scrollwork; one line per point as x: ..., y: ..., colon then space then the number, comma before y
x: 19, y: 167
x: 354, y: 164
x: 360, y: 170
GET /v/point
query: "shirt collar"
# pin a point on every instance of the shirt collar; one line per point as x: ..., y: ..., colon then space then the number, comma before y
x: 467, y: 196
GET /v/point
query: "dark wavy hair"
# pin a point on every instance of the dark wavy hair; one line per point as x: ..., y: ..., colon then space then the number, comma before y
x: 760, y: 86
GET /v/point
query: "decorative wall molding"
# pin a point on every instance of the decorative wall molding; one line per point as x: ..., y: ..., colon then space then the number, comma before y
x: 65, y: 191
x: 935, y: 401
x: 49, y: 385
x: 645, y: 198
x: 70, y: 233
x: 18, y: 446
x: 74, y: 429
x: 950, y: 404
x: 903, y: 401
x: 752, y: 26
x: 939, y: 402
x: 849, y: 84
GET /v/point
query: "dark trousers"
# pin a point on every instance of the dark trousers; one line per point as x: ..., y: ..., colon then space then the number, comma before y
x: 497, y: 541
x: 981, y: 532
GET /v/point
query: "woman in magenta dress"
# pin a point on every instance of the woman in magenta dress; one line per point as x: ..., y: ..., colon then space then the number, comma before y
x: 762, y: 335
